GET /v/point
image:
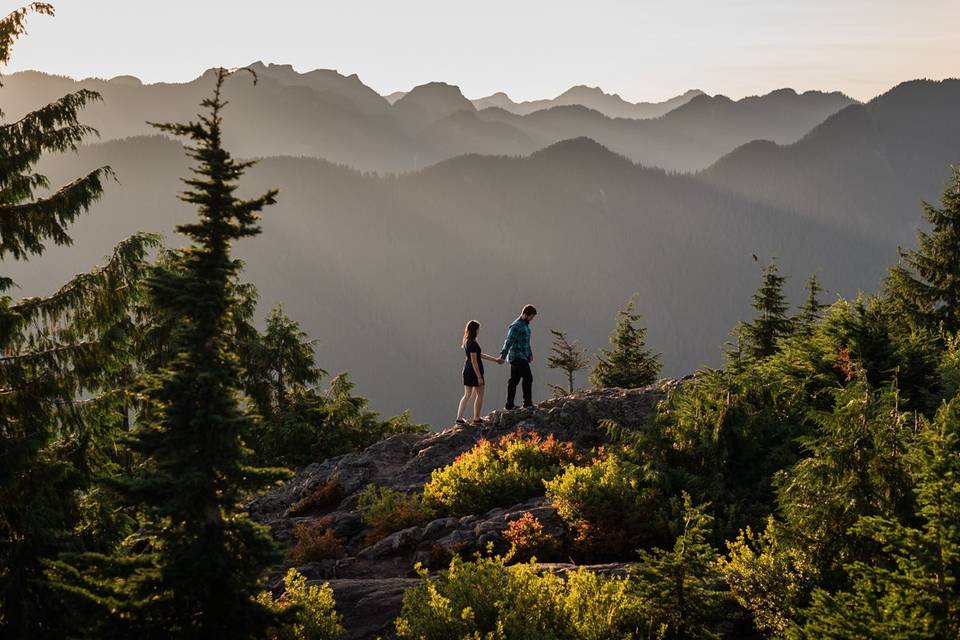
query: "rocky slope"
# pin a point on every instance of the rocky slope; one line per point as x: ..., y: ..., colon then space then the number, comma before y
x: 369, y: 580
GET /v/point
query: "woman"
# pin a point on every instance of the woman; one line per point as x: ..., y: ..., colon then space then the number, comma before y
x: 472, y: 372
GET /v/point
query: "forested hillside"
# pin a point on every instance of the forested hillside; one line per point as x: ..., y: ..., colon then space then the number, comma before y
x: 862, y: 168
x: 574, y: 228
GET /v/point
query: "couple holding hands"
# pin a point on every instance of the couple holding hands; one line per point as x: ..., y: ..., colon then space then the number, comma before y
x: 516, y: 350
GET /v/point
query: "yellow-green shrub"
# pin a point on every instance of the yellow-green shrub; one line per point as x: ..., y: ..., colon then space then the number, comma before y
x: 609, y: 511
x: 385, y: 510
x: 768, y: 578
x: 484, y: 598
x: 307, y: 612
x: 495, y: 474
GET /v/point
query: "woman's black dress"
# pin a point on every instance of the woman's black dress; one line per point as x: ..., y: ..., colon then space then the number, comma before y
x: 469, y: 375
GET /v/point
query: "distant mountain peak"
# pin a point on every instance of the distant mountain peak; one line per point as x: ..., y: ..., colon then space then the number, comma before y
x: 581, y: 146
x: 438, y: 98
x: 127, y: 80
x: 579, y: 89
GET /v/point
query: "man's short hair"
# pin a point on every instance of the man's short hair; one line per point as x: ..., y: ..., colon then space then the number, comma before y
x: 529, y: 310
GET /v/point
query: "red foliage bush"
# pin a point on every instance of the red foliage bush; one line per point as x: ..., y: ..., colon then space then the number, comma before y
x: 315, y: 541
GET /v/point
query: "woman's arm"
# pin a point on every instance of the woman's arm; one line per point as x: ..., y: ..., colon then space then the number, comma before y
x: 490, y: 358
x: 476, y: 366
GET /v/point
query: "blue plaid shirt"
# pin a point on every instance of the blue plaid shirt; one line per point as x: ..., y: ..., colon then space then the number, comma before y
x: 517, y: 344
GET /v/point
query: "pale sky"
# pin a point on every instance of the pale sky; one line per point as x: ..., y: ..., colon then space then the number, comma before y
x: 643, y: 50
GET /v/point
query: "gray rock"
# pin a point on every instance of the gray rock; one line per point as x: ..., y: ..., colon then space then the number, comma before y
x: 369, y: 606
x: 394, y: 544
x: 370, y: 578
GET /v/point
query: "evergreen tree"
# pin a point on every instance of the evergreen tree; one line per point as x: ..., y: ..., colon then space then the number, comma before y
x: 812, y: 308
x: 568, y: 357
x: 911, y: 589
x: 771, y: 322
x: 925, y: 285
x: 350, y: 425
x: 855, y: 468
x: 296, y: 423
x: 204, y: 555
x: 63, y: 358
x: 279, y: 375
x: 628, y: 364
x: 681, y: 588
x: 277, y: 364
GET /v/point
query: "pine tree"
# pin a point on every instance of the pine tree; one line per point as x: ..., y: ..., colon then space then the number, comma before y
x: 925, y: 285
x: 205, y: 556
x: 568, y: 357
x: 681, y: 588
x: 279, y: 375
x: 911, y: 589
x: 772, y: 322
x: 628, y: 364
x: 855, y: 467
x: 62, y: 363
x: 278, y: 363
x: 812, y: 309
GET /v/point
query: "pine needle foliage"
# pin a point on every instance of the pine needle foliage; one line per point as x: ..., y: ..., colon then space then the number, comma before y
x: 812, y: 308
x: 911, y: 588
x: 628, y: 363
x: 63, y: 363
x: 771, y: 322
x: 681, y: 588
x: 568, y: 357
x: 925, y: 285
x: 204, y: 555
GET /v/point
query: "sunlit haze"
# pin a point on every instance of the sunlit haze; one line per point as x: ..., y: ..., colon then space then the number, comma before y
x: 642, y: 50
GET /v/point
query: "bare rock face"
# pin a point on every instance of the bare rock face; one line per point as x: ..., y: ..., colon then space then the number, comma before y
x: 369, y: 581
x: 370, y: 605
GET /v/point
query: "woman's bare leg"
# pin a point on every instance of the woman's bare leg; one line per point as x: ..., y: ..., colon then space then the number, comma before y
x: 478, y: 403
x: 467, y: 392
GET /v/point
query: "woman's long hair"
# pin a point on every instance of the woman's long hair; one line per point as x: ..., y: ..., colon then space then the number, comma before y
x: 470, y: 332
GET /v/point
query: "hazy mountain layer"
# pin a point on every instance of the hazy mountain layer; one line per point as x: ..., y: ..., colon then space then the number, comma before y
x: 327, y: 115
x: 385, y: 271
x: 609, y: 104
x: 863, y: 167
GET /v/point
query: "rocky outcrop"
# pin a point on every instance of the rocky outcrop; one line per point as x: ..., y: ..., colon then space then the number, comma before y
x: 369, y: 580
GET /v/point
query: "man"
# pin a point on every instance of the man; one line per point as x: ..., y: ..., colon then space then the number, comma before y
x: 516, y: 349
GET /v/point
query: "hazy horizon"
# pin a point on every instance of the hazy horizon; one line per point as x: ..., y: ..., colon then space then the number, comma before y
x: 650, y: 52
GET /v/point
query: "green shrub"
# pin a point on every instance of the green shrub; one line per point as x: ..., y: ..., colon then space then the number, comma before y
x: 385, y: 510
x: 767, y: 577
x: 609, y: 511
x: 484, y: 598
x: 681, y: 588
x: 602, y: 608
x: 494, y: 474
x: 308, y: 611
x: 315, y: 541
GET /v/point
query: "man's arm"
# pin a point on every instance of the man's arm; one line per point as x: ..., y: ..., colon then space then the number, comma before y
x: 510, y: 340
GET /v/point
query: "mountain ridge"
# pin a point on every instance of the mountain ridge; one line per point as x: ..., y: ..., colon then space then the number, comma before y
x: 323, y: 113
